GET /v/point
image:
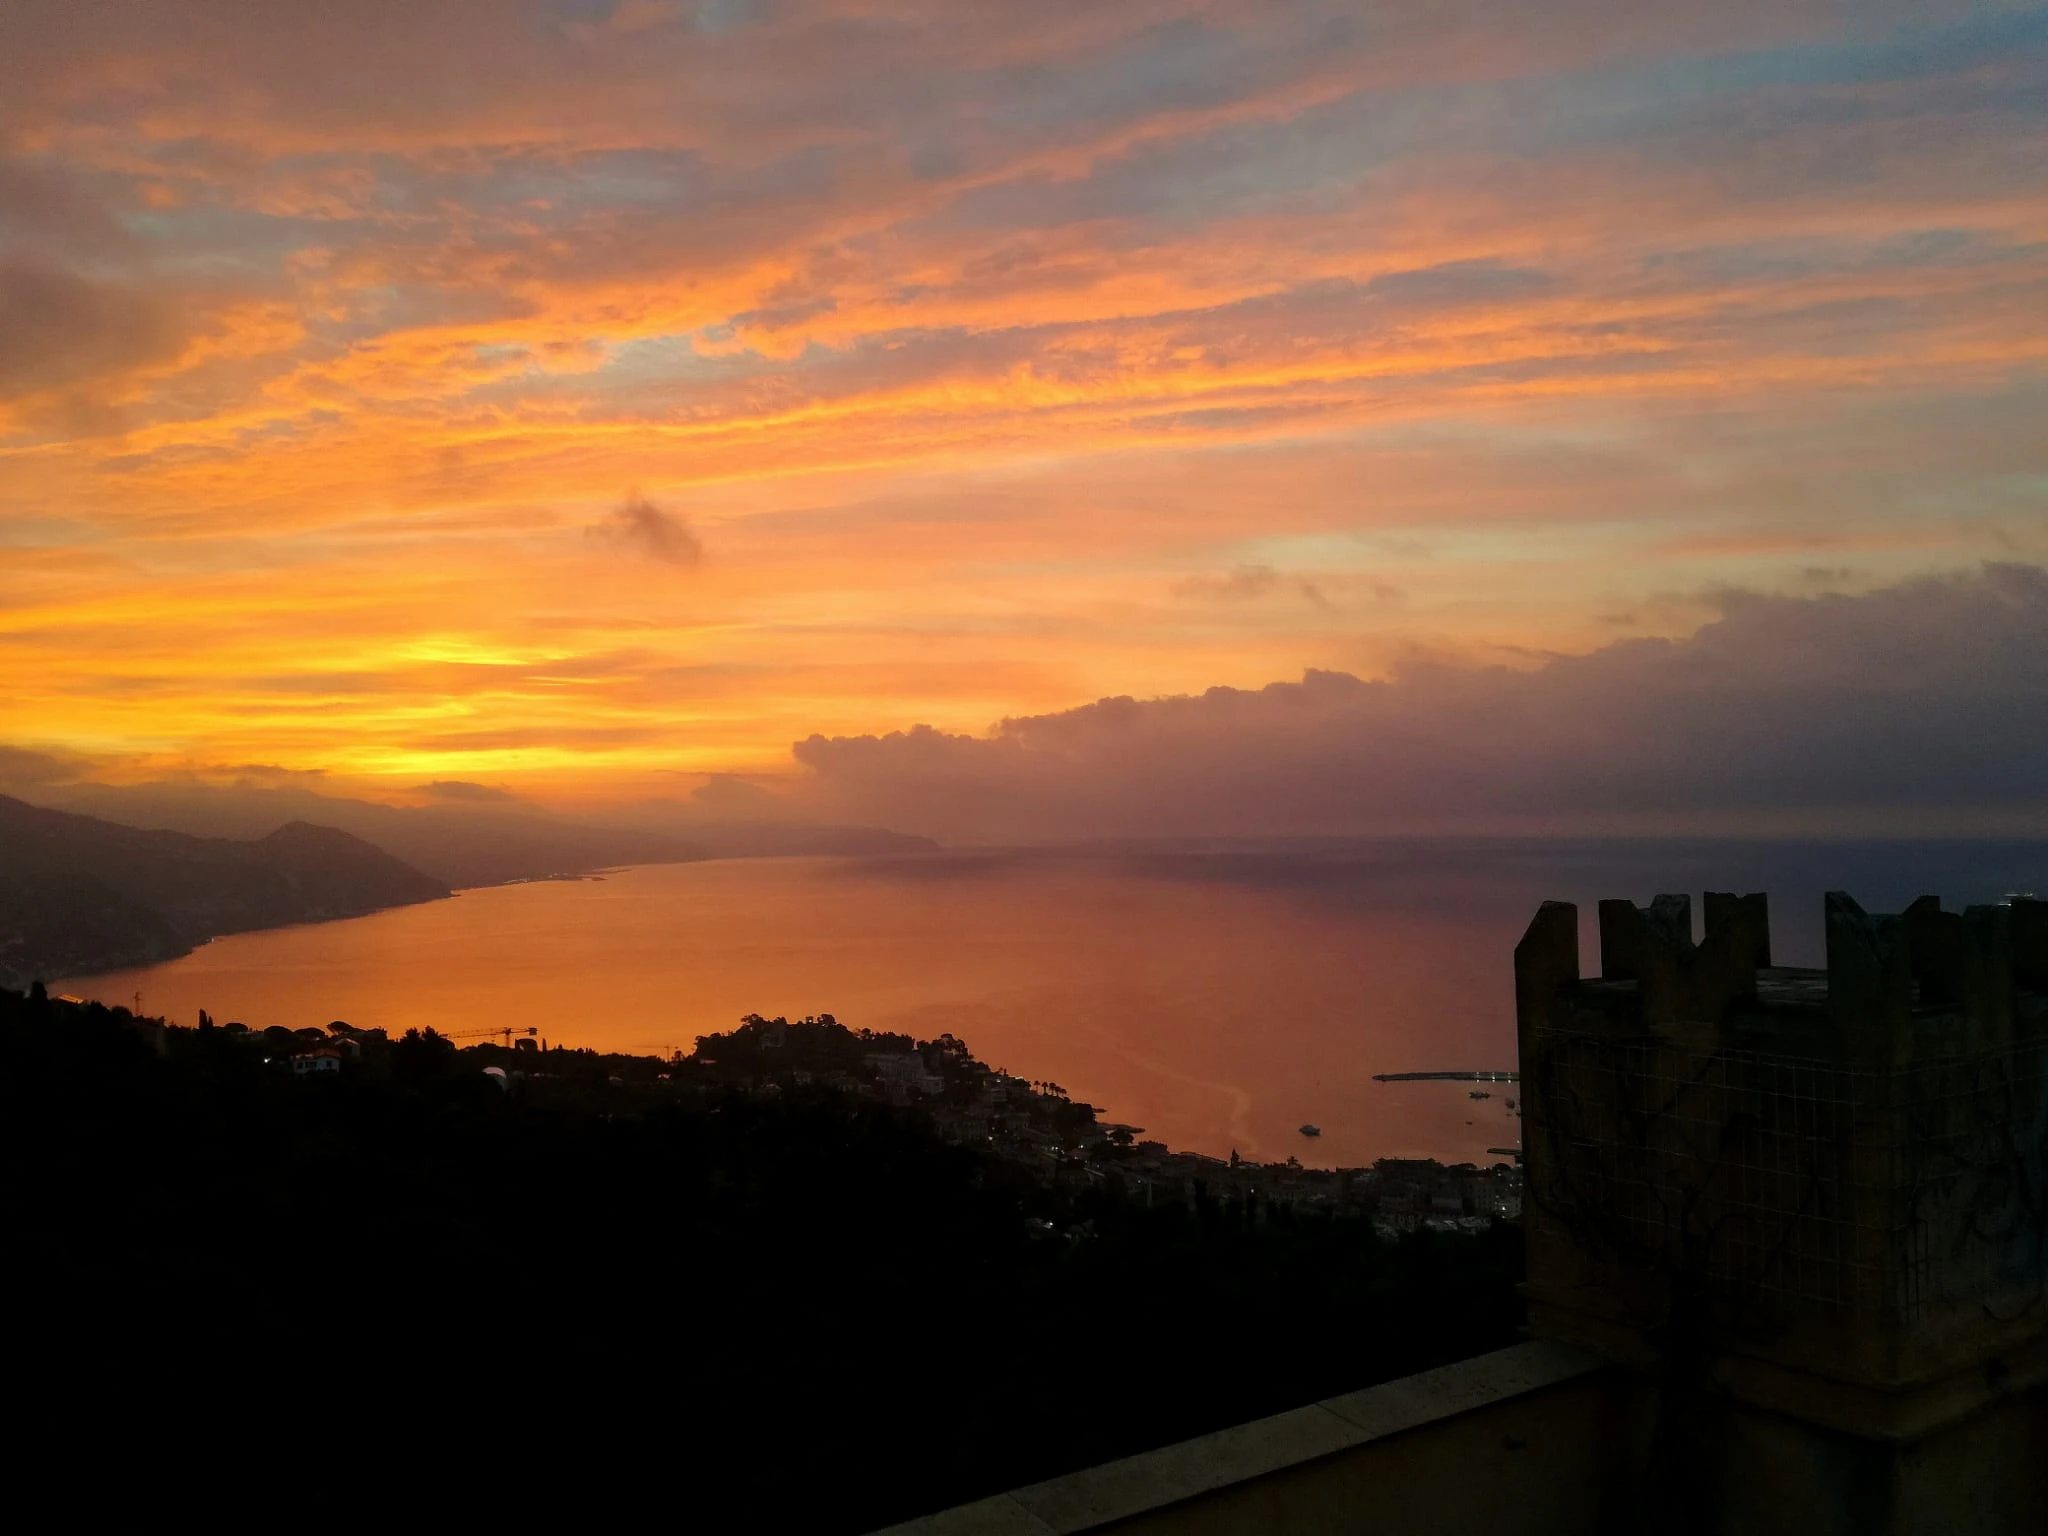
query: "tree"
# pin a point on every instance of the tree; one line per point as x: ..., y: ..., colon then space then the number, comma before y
x: 418, y: 1055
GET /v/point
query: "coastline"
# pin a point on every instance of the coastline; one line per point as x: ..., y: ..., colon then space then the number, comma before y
x: 1081, y: 976
x: 157, y: 956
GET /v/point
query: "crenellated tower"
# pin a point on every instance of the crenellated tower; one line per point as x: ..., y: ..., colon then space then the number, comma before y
x: 1823, y: 1192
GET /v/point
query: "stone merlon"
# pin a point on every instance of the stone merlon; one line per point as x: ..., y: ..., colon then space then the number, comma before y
x: 1822, y: 1187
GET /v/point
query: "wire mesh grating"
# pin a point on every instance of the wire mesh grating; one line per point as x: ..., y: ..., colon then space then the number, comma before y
x: 1783, y: 1182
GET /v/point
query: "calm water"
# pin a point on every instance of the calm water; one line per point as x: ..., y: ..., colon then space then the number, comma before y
x: 1218, y: 999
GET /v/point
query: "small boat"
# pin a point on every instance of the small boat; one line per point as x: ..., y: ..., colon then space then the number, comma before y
x: 1477, y: 1094
x: 1311, y: 1130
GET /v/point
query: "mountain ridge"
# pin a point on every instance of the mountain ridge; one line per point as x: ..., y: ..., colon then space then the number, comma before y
x: 465, y: 845
x: 80, y: 893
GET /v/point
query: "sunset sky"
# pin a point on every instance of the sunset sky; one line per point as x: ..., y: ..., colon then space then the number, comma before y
x: 585, y: 397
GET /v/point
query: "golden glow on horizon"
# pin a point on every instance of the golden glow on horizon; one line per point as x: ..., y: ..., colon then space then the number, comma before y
x: 1133, y: 350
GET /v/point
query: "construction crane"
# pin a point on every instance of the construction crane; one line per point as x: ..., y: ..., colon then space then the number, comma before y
x: 507, y: 1031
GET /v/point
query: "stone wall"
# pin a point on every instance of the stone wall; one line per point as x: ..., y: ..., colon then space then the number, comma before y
x: 1823, y: 1188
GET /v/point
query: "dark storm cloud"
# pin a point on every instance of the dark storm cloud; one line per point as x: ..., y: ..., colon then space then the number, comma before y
x: 1923, y: 698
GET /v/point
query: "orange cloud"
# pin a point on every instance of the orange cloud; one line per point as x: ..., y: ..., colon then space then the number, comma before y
x: 978, y: 343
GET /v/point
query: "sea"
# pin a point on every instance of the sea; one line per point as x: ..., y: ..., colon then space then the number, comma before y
x: 1218, y: 996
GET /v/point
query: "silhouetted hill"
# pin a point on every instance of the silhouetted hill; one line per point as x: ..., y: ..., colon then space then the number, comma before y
x: 475, y: 843
x: 53, y: 923
x: 458, y: 845
x: 80, y: 894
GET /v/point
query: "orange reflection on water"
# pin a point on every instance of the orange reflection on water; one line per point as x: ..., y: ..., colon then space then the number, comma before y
x: 1218, y: 1015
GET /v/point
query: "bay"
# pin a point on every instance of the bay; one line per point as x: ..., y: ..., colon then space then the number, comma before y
x: 1218, y: 996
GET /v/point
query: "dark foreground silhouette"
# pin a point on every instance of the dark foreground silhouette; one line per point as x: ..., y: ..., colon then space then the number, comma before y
x: 412, y: 1292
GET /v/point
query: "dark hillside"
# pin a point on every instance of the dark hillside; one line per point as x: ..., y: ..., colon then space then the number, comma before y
x: 80, y: 894
x: 639, y: 1292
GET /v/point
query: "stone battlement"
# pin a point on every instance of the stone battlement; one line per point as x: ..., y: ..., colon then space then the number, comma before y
x: 1919, y: 983
x: 1830, y: 1186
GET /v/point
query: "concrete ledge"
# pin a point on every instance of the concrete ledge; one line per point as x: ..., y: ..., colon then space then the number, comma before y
x: 1120, y: 1492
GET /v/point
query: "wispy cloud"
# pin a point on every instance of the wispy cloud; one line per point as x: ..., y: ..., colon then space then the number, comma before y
x: 639, y: 526
x: 1247, y: 583
x: 1006, y: 355
x: 462, y: 791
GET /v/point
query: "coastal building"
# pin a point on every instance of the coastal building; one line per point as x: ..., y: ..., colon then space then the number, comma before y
x: 1787, y: 1248
x: 904, y: 1075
